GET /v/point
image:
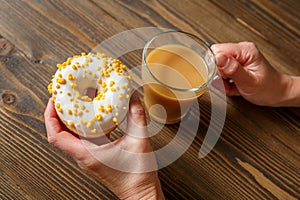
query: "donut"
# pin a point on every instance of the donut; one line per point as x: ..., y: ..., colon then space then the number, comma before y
x: 91, y: 93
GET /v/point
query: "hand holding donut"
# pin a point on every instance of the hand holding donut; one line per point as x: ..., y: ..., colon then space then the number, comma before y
x: 125, y: 185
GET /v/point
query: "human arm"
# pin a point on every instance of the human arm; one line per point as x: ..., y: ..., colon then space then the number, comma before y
x: 253, y: 77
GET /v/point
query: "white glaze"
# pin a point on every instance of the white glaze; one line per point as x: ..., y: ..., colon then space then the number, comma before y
x: 83, y: 120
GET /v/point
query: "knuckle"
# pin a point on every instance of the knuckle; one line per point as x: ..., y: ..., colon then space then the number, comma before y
x: 232, y: 68
x: 137, y: 110
x: 250, y: 45
x: 88, y: 164
x: 52, y: 140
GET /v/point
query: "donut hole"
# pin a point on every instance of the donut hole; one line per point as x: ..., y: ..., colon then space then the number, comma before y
x: 90, y: 92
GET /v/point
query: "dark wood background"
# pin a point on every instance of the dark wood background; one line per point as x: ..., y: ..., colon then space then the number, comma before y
x: 258, y: 154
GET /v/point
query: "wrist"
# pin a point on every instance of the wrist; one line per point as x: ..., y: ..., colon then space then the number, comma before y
x: 290, y: 95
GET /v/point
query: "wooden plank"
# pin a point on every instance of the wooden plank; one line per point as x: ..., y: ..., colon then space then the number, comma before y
x: 258, y: 145
x: 278, y: 23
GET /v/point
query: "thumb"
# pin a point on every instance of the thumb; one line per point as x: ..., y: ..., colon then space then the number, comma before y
x: 229, y: 67
x: 136, y: 137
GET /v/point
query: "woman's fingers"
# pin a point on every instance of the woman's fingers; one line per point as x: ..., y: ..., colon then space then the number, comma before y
x: 63, y: 140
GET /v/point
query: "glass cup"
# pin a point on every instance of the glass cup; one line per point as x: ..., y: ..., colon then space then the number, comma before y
x: 176, y: 70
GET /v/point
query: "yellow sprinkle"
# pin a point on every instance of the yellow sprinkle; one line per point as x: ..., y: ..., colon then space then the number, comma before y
x: 111, y: 83
x: 127, y: 96
x: 124, y: 108
x: 88, y: 71
x: 70, y: 123
x: 102, y: 55
x: 54, y: 92
x: 75, y: 105
x: 99, y: 117
x: 69, y: 93
x: 115, y: 120
x: 104, y: 90
x: 83, y: 54
x: 123, y: 66
x: 109, y: 70
x: 50, y: 87
x: 97, y: 98
x: 61, y: 80
x: 75, y: 112
x: 77, y: 125
x: 103, y: 84
x: 82, y: 121
x: 77, y: 94
x: 106, y: 74
x: 82, y: 106
x: 115, y: 65
x: 74, y: 67
x: 80, y: 113
x: 71, y: 77
x: 94, y: 76
x: 99, y: 81
x: 73, y: 85
x: 93, y: 131
x: 60, y: 92
x: 86, y: 98
x: 117, y: 114
x: 71, y: 99
x: 120, y: 96
x: 60, y: 110
x: 89, y: 59
x: 104, y: 62
x: 57, y: 105
x: 60, y: 75
x: 53, y: 98
x: 89, y: 124
x: 57, y: 86
x: 69, y: 112
x: 113, y: 89
x: 69, y: 60
x: 101, y: 108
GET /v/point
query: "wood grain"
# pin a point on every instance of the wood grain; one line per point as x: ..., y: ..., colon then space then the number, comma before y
x: 258, y: 154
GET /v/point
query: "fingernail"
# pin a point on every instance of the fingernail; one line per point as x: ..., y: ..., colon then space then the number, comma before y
x: 213, y: 48
x: 135, y: 96
x: 222, y: 60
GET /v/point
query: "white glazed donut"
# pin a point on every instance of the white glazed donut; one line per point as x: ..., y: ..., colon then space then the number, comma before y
x: 91, y: 93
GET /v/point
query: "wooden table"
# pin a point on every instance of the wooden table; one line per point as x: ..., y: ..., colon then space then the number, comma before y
x: 258, y: 153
